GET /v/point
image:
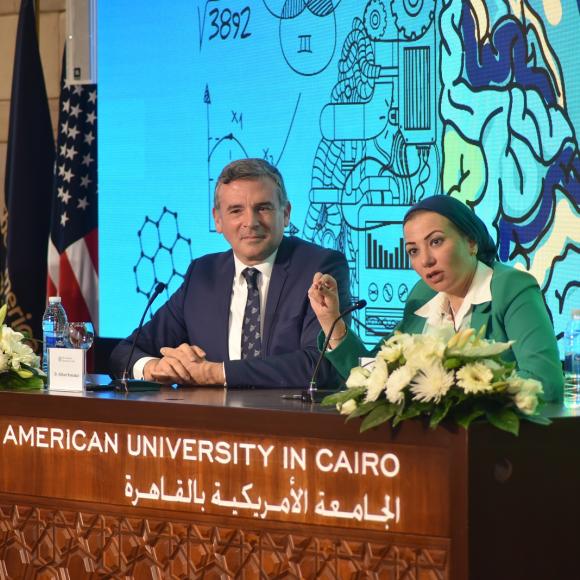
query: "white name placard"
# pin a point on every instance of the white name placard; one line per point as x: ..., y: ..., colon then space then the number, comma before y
x: 66, y: 369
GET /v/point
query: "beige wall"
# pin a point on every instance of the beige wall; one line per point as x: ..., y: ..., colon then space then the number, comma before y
x: 51, y: 36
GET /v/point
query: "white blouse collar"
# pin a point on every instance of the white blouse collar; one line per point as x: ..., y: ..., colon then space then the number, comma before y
x: 478, y: 293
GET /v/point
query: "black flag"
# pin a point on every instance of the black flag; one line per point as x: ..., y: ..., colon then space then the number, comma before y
x: 25, y: 221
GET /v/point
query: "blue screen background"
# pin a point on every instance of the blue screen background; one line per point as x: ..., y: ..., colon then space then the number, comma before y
x: 362, y: 109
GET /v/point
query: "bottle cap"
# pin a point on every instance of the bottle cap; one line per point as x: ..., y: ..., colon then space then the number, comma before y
x: 56, y: 299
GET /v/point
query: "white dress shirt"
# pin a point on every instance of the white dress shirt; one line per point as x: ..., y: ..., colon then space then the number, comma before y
x: 440, y: 319
x: 239, y: 299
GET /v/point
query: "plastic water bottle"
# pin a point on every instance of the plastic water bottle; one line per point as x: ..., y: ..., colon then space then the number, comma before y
x: 572, y: 361
x: 54, y: 327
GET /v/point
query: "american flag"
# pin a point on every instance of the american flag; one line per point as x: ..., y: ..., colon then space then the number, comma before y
x: 73, y: 247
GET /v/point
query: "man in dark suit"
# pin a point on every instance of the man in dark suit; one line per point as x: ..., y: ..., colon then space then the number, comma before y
x: 241, y: 317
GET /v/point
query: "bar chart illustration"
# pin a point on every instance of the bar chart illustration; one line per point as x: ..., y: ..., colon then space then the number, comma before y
x: 381, y: 256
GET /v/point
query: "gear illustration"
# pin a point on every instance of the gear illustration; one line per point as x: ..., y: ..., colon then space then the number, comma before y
x: 375, y: 19
x: 413, y: 17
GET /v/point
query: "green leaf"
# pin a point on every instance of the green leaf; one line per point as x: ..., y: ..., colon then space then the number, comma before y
x: 342, y: 396
x: 440, y: 412
x: 413, y: 410
x: 3, y: 314
x: 452, y: 363
x: 537, y: 419
x: 34, y: 383
x: 364, y: 409
x: 380, y: 414
x: 11, y: 380
x: 504, y: 419
x: 466, y: 414
x: 509, y: 366
x: 499, y: 386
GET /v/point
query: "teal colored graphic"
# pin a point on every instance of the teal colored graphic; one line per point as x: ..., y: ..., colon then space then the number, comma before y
x: 495, y: 134
x: 366, y: 107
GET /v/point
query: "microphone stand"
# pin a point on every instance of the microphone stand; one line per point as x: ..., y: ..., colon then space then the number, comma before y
x: 370, y: 330
x: 313, y: 394
x: 125, y: 383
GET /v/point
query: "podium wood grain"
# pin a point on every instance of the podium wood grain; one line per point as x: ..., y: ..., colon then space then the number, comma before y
x: 111, y: 486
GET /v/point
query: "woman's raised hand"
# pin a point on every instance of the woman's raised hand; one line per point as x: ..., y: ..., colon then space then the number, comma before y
x: 324, y: 300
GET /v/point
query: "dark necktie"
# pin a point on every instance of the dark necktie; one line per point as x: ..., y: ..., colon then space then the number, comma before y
x: 251, y: 335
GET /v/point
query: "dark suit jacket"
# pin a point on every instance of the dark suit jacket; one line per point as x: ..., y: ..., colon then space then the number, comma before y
x: 198, y: 313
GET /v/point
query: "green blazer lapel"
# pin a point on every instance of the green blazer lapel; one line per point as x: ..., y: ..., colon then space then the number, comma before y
x: 413, y: 325
x: 480, y: 316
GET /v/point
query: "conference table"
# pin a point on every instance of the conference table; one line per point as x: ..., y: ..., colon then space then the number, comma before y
x: 245, y: 483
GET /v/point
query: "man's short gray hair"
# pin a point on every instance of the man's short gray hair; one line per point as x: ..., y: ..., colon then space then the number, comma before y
x: 251, y: 168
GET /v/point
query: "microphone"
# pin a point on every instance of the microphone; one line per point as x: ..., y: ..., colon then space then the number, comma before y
x: 310, y: 394
x: 125, y: 383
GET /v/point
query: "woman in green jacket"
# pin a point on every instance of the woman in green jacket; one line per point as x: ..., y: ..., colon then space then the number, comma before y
x: 462, y: 285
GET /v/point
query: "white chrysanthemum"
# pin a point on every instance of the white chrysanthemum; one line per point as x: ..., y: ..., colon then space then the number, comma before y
x: 532, y: 387
x: 518, y: 384
x: 357, y: 378
x: 347, y: 407
x: 377, y: 380
x: 424, y: 350
x: 399, y: 340
x: 515, y: 384
x: 475, y: 378
x: 390, y: 353
x: 398, y: 380
x: 432, y: 383
x: 525, y: 393
x: 526, y: 402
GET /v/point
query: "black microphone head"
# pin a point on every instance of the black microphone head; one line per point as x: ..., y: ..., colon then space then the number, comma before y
x: 360, y: 304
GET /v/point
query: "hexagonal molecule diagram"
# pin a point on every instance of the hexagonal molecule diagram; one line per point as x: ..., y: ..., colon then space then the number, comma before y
x: 165, y: 254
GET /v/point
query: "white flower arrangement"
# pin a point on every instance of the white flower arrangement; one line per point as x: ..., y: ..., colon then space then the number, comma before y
x: 19, y: 365
x: 461, y: 379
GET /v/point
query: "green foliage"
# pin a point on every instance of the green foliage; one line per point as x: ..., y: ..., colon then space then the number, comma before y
x: 460, y: 380
x: 504, y: 419
x: 13, y: 381
x: 342, y: 397
x: 439, y: 413
x: 381, y: 413
x: 364, y: 409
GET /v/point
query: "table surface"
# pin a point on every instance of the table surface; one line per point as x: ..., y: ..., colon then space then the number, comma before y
x: 275, y: 399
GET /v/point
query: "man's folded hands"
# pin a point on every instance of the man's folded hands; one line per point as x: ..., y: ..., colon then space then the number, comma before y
x: 185, y: 365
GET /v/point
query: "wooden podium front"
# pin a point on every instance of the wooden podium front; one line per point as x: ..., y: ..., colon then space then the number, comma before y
x: 207, y: 483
